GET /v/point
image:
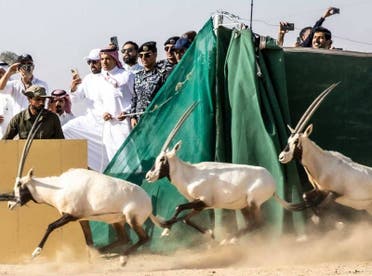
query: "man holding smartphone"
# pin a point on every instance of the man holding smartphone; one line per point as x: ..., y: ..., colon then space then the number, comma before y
x: 16, y: 88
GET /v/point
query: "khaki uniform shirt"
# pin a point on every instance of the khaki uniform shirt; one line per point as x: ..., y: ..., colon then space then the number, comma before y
x: 22, y: 122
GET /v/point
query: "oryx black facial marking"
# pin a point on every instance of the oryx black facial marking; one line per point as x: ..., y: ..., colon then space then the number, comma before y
x: 25, y: 196
x: 164, y: 168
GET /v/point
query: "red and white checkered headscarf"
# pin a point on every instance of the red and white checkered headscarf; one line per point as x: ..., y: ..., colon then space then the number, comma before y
x: 115, y: 54
x: 59, y: 94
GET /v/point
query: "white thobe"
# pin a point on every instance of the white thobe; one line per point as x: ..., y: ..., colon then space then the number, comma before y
x: 65, y: 117
x: 117, y: 94
x: 134, y: 68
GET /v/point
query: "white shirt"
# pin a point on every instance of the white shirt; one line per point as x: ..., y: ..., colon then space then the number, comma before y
x: 134, y: 68
x: 65, y: 117
x: 16, y: 88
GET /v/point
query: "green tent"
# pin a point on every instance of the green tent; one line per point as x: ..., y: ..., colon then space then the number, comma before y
x: 247, y: 90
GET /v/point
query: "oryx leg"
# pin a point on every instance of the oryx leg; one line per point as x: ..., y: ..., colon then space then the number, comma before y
x: 252, y: 219
x: 186, y: 220
x: 87, y: 232
x: 66, y: 218
x: 122, y: 237
x: 142, y: 239
x: 197, y: 205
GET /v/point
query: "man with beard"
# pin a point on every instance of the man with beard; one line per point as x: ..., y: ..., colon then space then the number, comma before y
x: 22, y: 122
x: 130, y: 57
x: 60, y: 104
x: 322, y: 38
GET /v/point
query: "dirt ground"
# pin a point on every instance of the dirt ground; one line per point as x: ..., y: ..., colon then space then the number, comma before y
x: 338, y: 252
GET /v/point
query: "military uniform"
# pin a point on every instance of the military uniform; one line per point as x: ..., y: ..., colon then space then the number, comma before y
x: 21, y: 124
x: 146, y: 85
x: 166, y: 66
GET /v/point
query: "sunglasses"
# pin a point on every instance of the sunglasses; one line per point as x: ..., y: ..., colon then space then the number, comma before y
x: 147, y: 55
x: 129, y: 50
x: 93, y: 61
x: 169, y: 48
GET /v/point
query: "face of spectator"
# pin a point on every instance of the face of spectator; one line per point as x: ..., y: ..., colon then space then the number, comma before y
x: 107, y: 62
x: 130, y: 55
x: 60, y: 105
x: 148, y: 59
x: 179, y: 54
x: 36, y: 103
x: 320, y: 41
x: 169, y: 52
x: 95, y: 66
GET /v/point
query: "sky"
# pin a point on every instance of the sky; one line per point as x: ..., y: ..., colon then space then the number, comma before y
x: 59, y: 34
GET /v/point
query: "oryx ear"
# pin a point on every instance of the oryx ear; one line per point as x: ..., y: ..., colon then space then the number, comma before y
x: 308, y: 130
x: 30, y: 173
x: 177, y: 146
x: 291, y: 129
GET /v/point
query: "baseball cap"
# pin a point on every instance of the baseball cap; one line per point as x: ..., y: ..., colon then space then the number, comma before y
x: 93, y: 55
x: 182, y: 43
x: 36, y: 91
x: 25, y: 58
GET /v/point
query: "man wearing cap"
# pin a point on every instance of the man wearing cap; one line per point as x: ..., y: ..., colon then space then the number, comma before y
x: 16, y: 88
x: 60, y: 104
x: 22, y: 122
x: 170, y: 61
x: 84, y: 94
x: 130, y: 57
x: 147, y: 81
x: 180, y: 47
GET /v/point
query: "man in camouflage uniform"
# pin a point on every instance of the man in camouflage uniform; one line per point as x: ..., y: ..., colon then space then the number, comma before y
x: 148, y: 81
x: 169, y: 63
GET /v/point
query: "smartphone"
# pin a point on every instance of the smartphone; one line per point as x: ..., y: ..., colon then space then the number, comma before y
x: 114, y: 41
x: 335, y: 10
x: 74, y: 71
x: 288, y: 27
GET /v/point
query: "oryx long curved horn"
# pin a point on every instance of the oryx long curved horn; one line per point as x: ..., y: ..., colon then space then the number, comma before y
x: 30, y: 137
x: 174, y: 131
x: 312, y: 108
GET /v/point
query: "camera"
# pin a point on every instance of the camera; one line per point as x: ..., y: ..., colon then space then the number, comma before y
x: 335, y: 10
x: 287, y: 27
x: 26, y: 67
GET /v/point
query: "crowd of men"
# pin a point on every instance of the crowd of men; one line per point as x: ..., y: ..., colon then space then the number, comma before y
x: 105, y: 105
x: 101, y: 107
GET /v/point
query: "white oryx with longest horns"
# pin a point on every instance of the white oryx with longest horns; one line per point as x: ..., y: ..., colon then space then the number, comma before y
x: 214, y: 185
x: 80, y: 195
x: 332, y: 174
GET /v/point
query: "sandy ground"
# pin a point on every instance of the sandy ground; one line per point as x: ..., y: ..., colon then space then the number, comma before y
x: 337, y: 252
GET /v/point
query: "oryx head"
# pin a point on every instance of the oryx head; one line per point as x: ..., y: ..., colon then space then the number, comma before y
x: 293, y: 149
x: 19, y: 185
x: 160, y: 168
x: 21, y: 193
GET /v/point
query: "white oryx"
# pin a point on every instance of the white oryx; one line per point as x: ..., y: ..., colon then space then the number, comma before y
x: 80, y: 195
x: 331, y: 173
x: 209, y: 185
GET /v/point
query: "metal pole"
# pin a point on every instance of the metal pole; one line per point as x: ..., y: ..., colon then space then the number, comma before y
x: 250, y: 22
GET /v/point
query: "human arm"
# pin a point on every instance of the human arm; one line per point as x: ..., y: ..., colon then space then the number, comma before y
x: 281, y: 33
x: 11, y: 70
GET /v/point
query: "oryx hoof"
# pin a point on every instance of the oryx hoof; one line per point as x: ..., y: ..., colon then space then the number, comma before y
x: 123, y: 260
x: 165, y: 232
x: 209, y: 233
x: 36, y: 252
x: 231, y: 241
x: 315, y: 219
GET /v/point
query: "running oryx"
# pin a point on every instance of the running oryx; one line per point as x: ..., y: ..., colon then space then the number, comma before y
x: 80, y: 195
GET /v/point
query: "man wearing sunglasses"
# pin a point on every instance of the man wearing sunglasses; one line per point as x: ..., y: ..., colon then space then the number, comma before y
x: 147, y: 82
x: 83, y: 91
x: 17, y: 87
x: 130, y: 57
x: 170, y: 61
